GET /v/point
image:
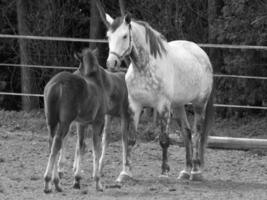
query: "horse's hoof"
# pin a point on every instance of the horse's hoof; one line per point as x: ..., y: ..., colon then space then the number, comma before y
x: 123, y: 177
x: 164, y: 175
x: 47, y: 191
x: 99, y: 187
x: 196, y: 176
x: 76, y: 186
x: 184, y: 175
x: 57, y: 185
x: 60, y: 174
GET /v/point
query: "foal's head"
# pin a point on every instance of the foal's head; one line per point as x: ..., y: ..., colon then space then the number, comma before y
x: 88, y: 61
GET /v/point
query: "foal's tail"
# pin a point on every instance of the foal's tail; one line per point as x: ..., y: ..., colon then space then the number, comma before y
x: 52, y: 96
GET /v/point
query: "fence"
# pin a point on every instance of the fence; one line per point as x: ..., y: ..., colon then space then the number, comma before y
x: 105, y: 41
x: 217, y: 142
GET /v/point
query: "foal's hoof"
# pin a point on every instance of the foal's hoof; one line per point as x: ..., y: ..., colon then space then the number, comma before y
x: 196, y: 176
x: 99, y: 188
x: 47, y: 191
x: 184, y: 175
x: 59, y: 188
x: 124, y: 176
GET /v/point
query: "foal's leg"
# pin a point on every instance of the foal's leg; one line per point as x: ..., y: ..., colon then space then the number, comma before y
x: 126, y: 151
x: 187, y: 135
x: 164, y: 141
x: 51, y: 132
x: 97, y: 131
x: 104, y: 143
x: 56, y: 146
x: 62, y: 158
x: 79, y: 151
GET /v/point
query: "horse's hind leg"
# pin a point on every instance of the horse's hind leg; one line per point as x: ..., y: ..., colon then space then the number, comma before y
x: 97, y: 131
x: 79, y: 151
x: 187, y: 135
x: 164, y: 141
x: 196, y: 173
x: 56, y: 146
x: 199, y: 141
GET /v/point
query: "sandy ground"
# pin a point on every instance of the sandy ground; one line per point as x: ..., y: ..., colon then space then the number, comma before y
x: 228, y: 174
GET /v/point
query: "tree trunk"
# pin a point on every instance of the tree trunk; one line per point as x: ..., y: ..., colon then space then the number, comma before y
x: 28, y: 84
x: 214, y: 8
x: 97, y: 30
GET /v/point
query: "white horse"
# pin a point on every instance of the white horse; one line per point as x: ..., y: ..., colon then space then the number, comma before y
x: 165, y: 75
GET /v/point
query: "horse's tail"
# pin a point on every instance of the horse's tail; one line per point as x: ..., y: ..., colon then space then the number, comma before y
x: 52, y: 96
x: 209, y: 117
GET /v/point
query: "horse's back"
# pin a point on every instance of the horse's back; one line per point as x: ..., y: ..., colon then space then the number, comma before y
x: 191, y: 50
x: 192, y: 71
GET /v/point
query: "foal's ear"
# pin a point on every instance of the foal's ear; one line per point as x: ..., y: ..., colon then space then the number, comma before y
x: 78, y: 56
x: 127, y: 18
x: 96, y: 52
x: 109, y: 19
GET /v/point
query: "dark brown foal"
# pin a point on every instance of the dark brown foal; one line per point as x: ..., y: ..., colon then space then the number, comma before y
x: 87, y: 96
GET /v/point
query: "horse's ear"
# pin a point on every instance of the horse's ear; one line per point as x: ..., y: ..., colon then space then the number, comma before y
x: 109, y: 19
x: 127, y: 18
x: 78, y: 56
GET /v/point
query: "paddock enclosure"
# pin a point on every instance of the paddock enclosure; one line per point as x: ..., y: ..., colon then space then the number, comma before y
x: 231, y: 173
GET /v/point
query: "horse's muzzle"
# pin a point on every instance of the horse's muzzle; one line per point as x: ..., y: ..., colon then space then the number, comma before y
x: 113, y: 63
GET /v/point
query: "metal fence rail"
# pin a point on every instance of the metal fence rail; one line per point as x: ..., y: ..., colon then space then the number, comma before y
x: 224, y: 46
x: 67, y: 39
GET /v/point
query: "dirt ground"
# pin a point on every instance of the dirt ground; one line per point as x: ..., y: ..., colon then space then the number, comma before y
x: 228, y: 174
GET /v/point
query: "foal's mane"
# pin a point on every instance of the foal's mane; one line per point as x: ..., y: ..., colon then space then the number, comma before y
x: 154, y: 39
x: 90, y: 57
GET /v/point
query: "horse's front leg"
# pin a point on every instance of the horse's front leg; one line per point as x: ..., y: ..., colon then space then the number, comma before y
x: 127, y: 144
x: 164, y: 141
x: 97, y: 131
x: 79, y: 151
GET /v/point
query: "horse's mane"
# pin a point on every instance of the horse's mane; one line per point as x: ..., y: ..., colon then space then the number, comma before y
x: 154, y: 38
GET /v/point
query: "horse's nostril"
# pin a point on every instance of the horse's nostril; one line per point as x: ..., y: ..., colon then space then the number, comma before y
x: 115, y: 63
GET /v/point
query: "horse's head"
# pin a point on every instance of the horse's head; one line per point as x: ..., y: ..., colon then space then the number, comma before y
x: 88, y: 61
x: 119, y: 39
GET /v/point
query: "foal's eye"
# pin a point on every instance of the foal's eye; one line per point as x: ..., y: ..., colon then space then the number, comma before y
x: 124, y: 37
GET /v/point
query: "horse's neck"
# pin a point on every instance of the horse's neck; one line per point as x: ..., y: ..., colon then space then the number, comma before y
x: 143, y: 55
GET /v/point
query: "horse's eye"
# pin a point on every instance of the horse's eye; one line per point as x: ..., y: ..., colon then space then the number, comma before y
x: 125, y: 36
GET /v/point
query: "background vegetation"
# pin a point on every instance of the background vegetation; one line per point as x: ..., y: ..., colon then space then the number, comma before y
x: 205, y: 21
